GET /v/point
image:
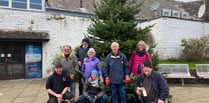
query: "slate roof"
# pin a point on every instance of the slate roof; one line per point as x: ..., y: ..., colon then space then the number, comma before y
x: 145, y: 13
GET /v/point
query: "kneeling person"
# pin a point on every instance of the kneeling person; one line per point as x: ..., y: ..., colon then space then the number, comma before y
x: 92, y: 92
x: 151, y: 86
x: 57, y: 86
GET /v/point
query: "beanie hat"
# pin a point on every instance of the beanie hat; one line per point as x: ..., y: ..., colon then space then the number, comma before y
x: 147, y: 63
x: 85, y: 40
x: 58, y: 64
x: 94, y: 72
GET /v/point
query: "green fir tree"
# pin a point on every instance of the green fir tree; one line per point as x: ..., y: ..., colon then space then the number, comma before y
x: 115, y: 20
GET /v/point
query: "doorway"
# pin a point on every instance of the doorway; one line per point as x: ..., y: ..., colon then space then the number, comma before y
x: 12, y: 61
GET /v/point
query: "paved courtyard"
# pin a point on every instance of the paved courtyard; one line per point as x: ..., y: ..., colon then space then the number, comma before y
x: 33, y: 91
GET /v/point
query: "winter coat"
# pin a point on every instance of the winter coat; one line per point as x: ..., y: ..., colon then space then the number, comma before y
x: 116, y: 67
x: 159, y: 84
x: 68, y: 63
x: 81, y: 53
x: 136, y: 61
x: 90, y: 89
x: 89, y: 65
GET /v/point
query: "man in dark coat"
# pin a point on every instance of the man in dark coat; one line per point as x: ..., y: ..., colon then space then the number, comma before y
x: 81, y: 56
x: 151, y: 87
x: 82, y: 51
x: 116, y: 72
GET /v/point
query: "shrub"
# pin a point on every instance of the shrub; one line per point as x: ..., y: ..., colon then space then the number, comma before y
x: 195, y: 49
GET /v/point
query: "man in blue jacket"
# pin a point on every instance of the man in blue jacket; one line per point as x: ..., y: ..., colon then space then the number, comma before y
x: 151, y: 87
x: 116, y: 71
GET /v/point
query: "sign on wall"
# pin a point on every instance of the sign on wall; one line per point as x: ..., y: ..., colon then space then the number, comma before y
x: 33, y: 62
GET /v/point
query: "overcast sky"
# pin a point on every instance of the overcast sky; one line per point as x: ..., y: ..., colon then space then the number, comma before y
x: 187, y: 0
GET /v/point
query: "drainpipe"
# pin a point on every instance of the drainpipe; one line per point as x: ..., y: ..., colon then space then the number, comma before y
x: 81, y: 5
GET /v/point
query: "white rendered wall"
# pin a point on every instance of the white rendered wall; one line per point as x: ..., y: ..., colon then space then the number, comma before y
x: 168, y: 33
x: 61, y: 32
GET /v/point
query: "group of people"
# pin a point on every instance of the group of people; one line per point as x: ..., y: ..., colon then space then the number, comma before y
x: 150, y: 86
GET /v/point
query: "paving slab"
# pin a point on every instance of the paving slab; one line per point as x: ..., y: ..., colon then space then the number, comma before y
x: 190, y: 93
x: 33, y: 91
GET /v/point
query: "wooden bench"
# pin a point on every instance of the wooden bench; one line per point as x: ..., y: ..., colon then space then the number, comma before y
x: 202, y: 70
x: 175, y: 71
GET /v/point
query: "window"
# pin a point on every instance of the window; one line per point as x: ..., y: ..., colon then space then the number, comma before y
x: 4, y: 2
x: 35, y: 4
x: 23, y: 4
x: 19, y: 4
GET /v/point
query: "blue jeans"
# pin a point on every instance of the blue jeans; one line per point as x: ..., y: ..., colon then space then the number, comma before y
x: 115, y: 88
x: 102, y: 99
x: 72, y: 87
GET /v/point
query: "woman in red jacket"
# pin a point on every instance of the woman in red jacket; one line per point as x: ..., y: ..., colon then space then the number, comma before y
x: 137, y: 58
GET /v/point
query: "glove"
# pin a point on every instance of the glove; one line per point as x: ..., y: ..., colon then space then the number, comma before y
x: 107, y: 81
x: 95, y: 99
x: 127, y: 80
x: 90, y: 99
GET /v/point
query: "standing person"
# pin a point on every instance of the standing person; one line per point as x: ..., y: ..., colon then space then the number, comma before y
x: 81, y: 55
x: 137, y: 58
x: 57, y: 85
x: 155, y: 86
x: 116, y: 71
x: 69, y: 62
x: 92, y: 93
x: 91, y: 63
x: 82, y: 51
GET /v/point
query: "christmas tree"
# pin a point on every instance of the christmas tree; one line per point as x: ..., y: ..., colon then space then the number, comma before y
x: 115, y: 20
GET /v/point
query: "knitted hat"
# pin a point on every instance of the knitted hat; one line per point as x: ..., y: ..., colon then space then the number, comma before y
x: 147, y: 63
x: 85, y: 40
x: 94, y: 72
x: 58, y: 64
